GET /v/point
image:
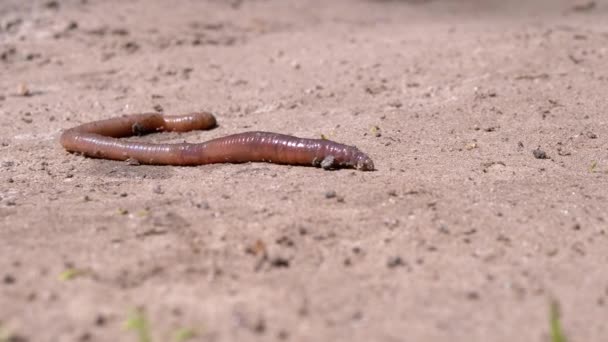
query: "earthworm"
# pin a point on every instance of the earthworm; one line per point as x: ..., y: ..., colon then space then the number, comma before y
x: 100, y: 139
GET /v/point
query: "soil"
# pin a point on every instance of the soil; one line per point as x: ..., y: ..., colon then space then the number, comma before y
x: 462, y: 233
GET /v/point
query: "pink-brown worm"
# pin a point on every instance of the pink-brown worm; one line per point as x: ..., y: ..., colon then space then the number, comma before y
x: 100, y: 139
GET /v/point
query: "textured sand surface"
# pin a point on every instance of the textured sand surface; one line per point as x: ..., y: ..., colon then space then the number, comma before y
x: 463, y: 233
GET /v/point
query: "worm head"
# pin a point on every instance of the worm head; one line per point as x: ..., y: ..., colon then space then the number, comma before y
x: 364, y: 163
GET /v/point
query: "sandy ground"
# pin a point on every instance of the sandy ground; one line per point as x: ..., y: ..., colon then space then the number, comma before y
x: 462, y: 233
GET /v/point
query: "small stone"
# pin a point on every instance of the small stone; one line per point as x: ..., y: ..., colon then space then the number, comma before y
x: 131, y: 46
x: 72, y: 25
x: 260, y: 326
x: 23, y: 90
x: 158, y: 190
x: 328, y: 163
x: 158, y: 108
x: 8, y: 279
x: 330, y: 194
x: 539, y: 154
x: 375, y: 130
x: 395, y: 104
x: 100, y: 320
x: 202, y: 205
x: 132, y: 162
x: 53, y: 4
x: 85, y: 336
x: 470, y: 146
x: 395, y: 262
x: 282, y: 335
x: 472, y: 295
x: 279, y: 262
x: 583, y: 6
x: 120, y: 32
x: 591, y: 135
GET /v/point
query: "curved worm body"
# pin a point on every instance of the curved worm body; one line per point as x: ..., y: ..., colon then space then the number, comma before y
x: 100, y: 139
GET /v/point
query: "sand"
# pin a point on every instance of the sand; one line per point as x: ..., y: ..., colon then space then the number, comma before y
x: 487, y: 122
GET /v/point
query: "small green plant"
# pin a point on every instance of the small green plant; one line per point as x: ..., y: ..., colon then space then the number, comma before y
x: 138, y: 322
x: 184, y: 334
x: 557, y: 334
x: 4, y: 335
x: 593, y: 166
x: 70, y: 274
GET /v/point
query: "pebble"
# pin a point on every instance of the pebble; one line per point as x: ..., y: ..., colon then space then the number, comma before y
x: 539, y: 154
x: 395, y: 262
x: 591, y: 135
x: 8, y: 279
x: 330, y: 194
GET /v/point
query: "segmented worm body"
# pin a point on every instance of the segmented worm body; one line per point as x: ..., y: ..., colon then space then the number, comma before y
x: 100, y: 139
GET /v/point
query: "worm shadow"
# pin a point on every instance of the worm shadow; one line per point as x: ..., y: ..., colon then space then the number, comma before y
x: 120, y: 169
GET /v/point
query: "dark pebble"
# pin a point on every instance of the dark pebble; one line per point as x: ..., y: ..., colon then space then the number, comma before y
x: 591, y: 135
x: 395, y: 262
x: 100, y: 320
x: 52, y: 4
x: 279, y: 262
x: 8, y: 279
x: 330, y: 194
x: 472, y: 295
x: 131, y: 46
x: 539, y: 154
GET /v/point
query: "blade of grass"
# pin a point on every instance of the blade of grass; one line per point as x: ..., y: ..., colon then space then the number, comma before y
x: 184, y: 334
x: 138, y: 322
x: 557, y: 334
x: 4, y: 335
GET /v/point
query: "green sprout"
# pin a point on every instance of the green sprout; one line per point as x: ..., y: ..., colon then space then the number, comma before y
x: 593, y: 166
x: 184, y: 334
x: 557, y: 333
x: 70, y: 274
x: 138, y: 322
x: 4, y: 334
